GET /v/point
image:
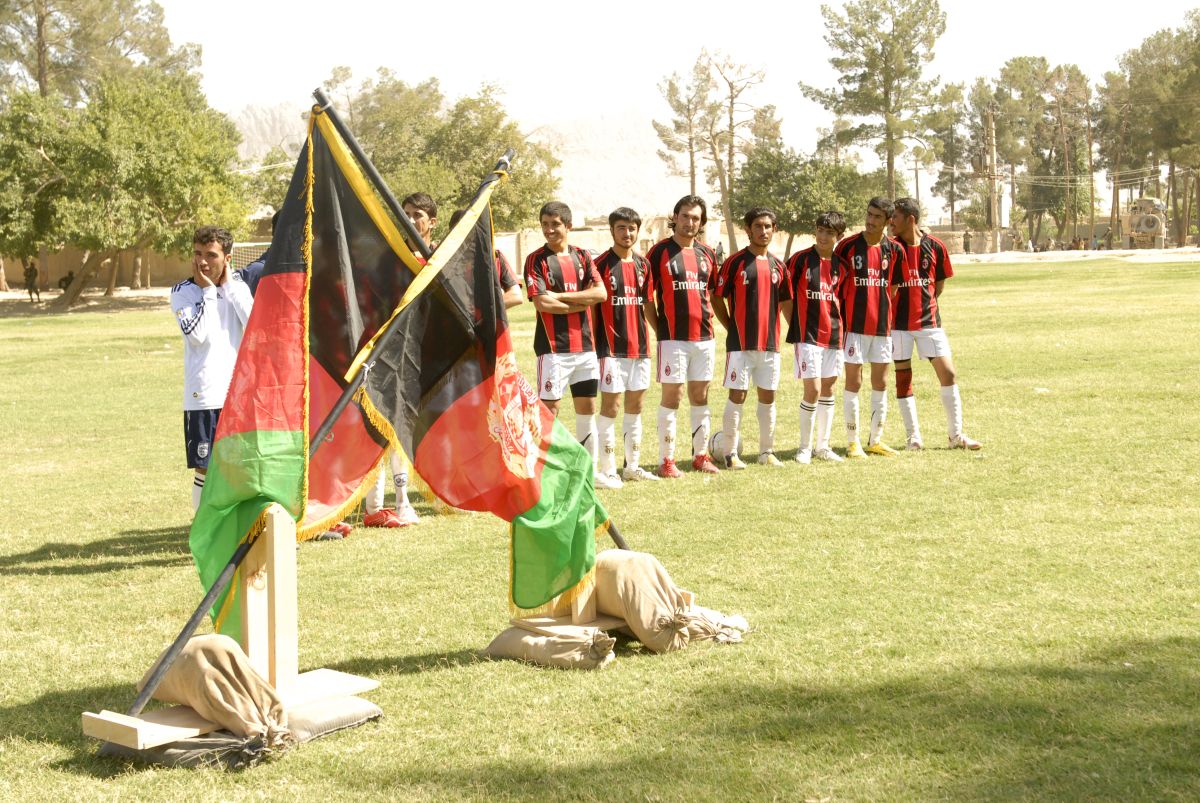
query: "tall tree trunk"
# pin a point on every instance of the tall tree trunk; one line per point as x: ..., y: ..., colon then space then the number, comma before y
x: 787, y: 252
x: 1038, y: 234
x: 891, y: 166
x: 953, y: 196
x: 1187, y: 207
x: 40, y: 15
x: 112, y: 275
x: 1173, y: 203
x: 3, y: 280
x: 144, y: 260
x: 692, y: 164
x: 43, y: 265
x: 88, y: 267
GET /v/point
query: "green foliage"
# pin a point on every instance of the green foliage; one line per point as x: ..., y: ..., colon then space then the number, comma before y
x: 269, y: 187
x: 36, y: 136
x: 948, y: 122
x: 692, y: 111
x: 881, y: 49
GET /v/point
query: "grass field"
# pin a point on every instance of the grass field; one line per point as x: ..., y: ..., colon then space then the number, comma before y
x: 1016, y: 624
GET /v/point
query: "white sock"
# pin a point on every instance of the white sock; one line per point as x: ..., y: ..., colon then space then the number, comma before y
x: 400, y: 480
x: 374, y: 498
x: 766, y: 427
x: 608, y: 445
x: 631, y: 433
x: 824, y: 421
x: 197, y: 489
x: 731, y: 421
x: 585, y: 433
x: 953, y: 404
x: 701, y: 418
x: 807, y: 412
x: 878, y: 414
x: 850, y: 409
x: 666, y: 433
x: 908, y: 411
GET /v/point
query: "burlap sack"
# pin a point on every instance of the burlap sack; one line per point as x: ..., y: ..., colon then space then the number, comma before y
x: 572, y: 648
x: 213, y: 676
x: 636, y: 587
x: 705, y: 624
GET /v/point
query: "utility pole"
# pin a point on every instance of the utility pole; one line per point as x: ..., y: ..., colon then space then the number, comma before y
x: 1087, y: 104
x: 953, y: 172
x: 916, y: 181
x: 992, y: 175
x: 1114, y: 213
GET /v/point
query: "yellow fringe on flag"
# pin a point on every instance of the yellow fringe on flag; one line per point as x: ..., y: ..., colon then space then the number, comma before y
x: 560, y: 605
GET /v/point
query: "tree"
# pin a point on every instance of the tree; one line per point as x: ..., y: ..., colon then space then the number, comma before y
x: 35, y: 140
x: 881, y: 48
x: 267, y: 185
x: 692, y: 109
x: 798, y: 189
x: 725, y: 137
x: 949, y: 126
x: 63, y: 47
x: 834, y: 143
x: 131, y: 186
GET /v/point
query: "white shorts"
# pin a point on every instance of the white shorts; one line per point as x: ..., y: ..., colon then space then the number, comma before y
x: 619, y: 374
x: 684, y: 360
x: 817, y: 362
x: 867, y: 348
x: 746, y: 368
x: 557, y: 372
x: 930, y: 343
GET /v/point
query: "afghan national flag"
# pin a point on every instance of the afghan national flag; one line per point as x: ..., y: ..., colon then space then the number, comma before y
x: 337, y: 270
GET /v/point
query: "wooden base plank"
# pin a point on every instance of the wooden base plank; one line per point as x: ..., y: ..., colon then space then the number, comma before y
x: 155, y: 728
x: 546, y: 625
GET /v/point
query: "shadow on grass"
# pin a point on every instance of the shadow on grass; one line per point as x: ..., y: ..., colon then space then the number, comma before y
x: 408, y: 665
x: 92, y: 300
x: 132, y: 549
x: 1119, y: 724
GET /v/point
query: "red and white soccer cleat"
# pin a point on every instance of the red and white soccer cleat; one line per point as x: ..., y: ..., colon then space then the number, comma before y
x: 702, y: 462
x: 668, y: 470
x: 963, y: 442
x: 384, y: 517
x: 335, y: 533
x: 914, y: 444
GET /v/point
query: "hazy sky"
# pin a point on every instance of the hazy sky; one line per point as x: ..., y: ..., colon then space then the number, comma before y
x: 563, y: 60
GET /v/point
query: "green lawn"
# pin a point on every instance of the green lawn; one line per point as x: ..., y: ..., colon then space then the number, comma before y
x: 1016, y: 624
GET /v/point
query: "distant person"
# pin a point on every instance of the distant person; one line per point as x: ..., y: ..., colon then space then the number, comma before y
x: 918, y: 325
x: 876, y: 264
x: 65, y: 281
x: 31, y: 283
x: 683, y: 274
x: 623, y: 345
x: 967, y: 241
x: 753, y: 282
x: 212, y: 308
x: 564, y: 285
x: 508, y: 279
x: 814, y: 317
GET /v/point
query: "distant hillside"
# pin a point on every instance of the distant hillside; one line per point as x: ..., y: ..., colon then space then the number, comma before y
x: 263, y: 127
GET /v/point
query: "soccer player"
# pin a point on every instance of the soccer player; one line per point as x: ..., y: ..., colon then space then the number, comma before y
x: 683, y: 272
x: 422, y: 211
x: 918, y: 323
x: 753, y: 282
x: 874, y: 264
x: 508, y: 279
x: 815, y: 328
x: 563, y: 285
x: 623, y: 345
x: 212, y: 308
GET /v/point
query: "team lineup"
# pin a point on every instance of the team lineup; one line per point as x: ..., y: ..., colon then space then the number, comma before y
x: 868, y: 299
x: 871, y: 298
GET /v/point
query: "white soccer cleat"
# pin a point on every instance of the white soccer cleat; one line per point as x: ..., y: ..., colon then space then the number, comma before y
x: 637, y: 474
x: 608, y: 482
x: 804, y: 456
x: 963, y: 442
x: 407, y: 515
x: 828, y: 454
x: 914, y: 444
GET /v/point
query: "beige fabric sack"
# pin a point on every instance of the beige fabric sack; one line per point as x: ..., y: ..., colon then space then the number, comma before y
x: 570, y: 648
x: 213, y: 676
x: 705, y: 624
x: 635, y: 587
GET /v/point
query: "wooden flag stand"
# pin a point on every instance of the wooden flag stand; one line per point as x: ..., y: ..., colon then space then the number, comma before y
x: 270, y: 639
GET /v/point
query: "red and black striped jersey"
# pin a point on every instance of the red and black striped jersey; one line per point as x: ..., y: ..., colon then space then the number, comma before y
x: 621, y: 324
x: 816, y: 286
x: 546, y: 271
x: 925, y: 264
x: 753, y: 286
x: 866, y: 306
x: 507, y: 277
x: 681, y: 279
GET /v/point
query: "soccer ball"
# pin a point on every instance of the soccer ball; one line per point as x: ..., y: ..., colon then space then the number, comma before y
x: 716, y: 444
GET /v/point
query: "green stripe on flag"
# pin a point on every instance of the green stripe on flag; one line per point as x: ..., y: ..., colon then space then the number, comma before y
x: 554, y: 542
x: 248, y: 471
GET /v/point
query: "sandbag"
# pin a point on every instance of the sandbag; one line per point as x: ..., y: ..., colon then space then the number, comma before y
x: 213, y: 676
x: 705, y: 624
x: 635, y: 587
x: 570, y: 648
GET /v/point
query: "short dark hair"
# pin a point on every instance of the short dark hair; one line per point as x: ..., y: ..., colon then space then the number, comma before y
x: 757, y: 212
x: 457, y: 216
x: 214, y: 234
x: 275, y: 220
x: 556, y: 209
x: 883, y: 204
x: 624, y: 213
x: 832, y: 220
x: 421, y: 201
x: 690, y: 200
x: 910, y: 207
